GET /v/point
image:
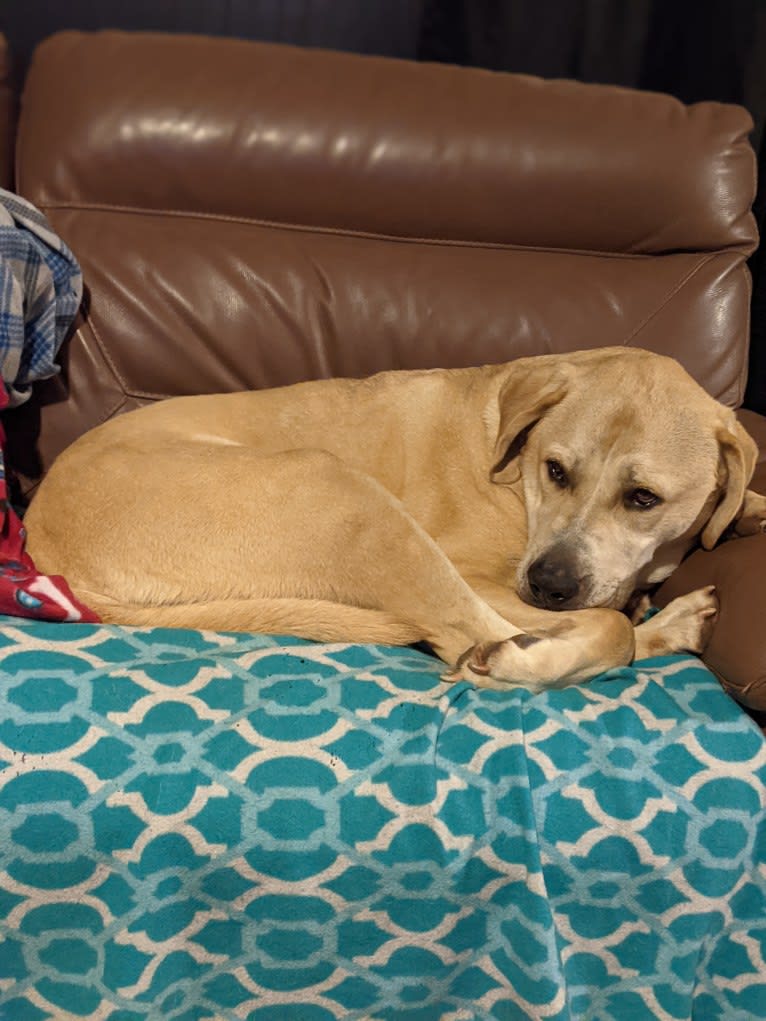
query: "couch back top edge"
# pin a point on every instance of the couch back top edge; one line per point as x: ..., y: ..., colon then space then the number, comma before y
x: 250, y: 130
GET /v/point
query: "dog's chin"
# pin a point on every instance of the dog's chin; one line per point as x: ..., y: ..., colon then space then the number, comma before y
x: 526, y: 595
x: 616, y: 600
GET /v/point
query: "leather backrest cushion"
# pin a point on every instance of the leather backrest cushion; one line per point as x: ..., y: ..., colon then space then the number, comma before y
x: 250, y: 215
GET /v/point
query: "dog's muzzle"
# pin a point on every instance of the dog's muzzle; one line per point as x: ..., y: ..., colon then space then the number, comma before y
x: 554, y: 581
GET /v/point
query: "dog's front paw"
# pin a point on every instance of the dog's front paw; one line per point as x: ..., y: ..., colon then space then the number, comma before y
x: 752, y: 517
x: 502, y: 665
x: 475, y: 666
x: 695, y: 619
x: 684, y: 625
x: 470, y: 667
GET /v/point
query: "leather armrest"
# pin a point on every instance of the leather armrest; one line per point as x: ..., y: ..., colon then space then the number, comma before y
x: 737, y: 650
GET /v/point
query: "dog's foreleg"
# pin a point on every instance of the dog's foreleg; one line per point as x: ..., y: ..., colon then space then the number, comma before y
x: 573, y: 649
x: 563, y: 648
x: 556, y: 649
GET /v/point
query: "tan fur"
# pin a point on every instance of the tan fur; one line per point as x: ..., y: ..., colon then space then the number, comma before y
x: 406, y: 507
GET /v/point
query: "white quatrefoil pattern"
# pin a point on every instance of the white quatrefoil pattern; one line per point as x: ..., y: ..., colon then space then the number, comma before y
x: 213, y: 826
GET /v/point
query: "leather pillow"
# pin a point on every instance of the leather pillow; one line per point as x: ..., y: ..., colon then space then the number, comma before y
x: 736, y: 652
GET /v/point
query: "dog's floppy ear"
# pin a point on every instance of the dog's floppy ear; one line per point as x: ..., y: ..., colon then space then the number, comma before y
x: 528, y: 392
x: 737, y: 502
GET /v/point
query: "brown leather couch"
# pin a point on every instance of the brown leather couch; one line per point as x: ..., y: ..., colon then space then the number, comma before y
x: 249, y: 215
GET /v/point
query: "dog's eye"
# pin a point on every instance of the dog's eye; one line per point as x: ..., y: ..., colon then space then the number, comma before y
x: 643, y: 499
x: 557, y: 473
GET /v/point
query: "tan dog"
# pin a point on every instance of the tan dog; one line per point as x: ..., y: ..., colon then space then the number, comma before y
x: 413, y: 506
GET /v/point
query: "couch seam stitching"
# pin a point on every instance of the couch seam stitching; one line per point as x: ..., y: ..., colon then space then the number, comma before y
x: 88, y: 207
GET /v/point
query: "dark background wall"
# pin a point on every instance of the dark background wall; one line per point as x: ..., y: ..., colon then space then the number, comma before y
x: 694, y: 49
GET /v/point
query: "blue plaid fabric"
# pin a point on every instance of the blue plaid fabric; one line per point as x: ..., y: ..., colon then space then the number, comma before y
x: 40, y: 292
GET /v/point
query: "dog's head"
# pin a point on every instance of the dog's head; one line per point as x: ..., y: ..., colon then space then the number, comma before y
x: 625, y: 464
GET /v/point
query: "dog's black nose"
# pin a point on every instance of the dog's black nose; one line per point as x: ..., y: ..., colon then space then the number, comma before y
x: 553, y: 582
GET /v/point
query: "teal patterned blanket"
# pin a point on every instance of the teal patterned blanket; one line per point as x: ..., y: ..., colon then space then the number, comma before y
x: 198, y: 825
